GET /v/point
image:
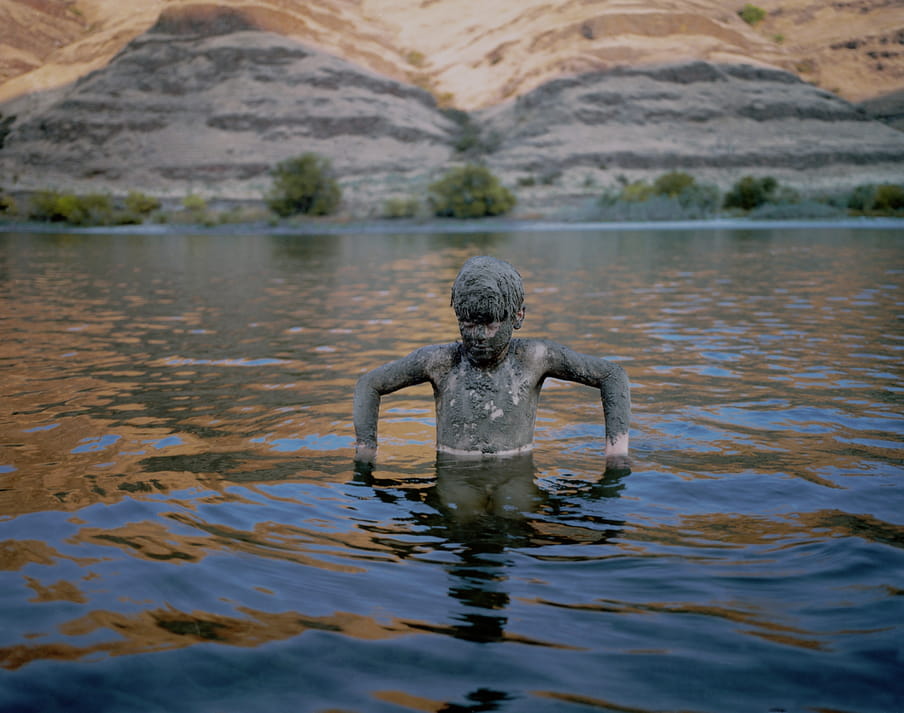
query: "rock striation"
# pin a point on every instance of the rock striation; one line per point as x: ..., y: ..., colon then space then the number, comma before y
x: 211, y: 107
x: 714, y: 120
x: 211, y: 98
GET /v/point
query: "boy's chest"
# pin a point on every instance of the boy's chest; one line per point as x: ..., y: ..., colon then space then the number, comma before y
x: 497, y: 394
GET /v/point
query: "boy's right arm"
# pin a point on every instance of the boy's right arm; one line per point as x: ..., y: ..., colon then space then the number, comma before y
x: 407, y: 371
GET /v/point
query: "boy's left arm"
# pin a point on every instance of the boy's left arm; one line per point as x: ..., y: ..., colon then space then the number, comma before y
x: 615, y: 393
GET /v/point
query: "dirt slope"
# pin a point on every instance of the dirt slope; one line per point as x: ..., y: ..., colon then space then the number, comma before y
x: 209, y: 97
x: 473, y: 53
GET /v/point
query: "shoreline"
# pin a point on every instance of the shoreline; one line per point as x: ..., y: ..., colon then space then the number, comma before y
x: 378, y: 226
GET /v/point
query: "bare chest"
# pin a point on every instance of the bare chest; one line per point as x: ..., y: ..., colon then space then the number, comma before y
x: 486, y: 410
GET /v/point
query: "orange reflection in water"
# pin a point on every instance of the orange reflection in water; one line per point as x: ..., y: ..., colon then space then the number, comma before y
x: 166, y: 406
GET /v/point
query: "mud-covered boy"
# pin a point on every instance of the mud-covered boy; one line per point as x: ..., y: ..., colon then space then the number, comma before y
x: 487, y: 386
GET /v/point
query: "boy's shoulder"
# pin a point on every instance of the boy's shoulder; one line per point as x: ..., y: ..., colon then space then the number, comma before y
x: 438, y: 355
x: 534, y: 348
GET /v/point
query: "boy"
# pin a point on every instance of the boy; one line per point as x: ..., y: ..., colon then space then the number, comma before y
x: 487, y: 386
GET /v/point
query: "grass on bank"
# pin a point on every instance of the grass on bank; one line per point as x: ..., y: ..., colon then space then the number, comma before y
x: 678, y: 196
x: 305, y: 186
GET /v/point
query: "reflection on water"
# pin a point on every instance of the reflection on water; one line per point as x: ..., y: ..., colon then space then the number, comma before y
x: 182, y: 529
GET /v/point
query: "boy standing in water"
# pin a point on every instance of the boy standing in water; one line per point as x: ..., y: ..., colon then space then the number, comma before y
x: 487, y: 386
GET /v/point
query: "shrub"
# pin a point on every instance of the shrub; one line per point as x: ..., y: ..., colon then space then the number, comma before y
x: 699, y: 200
x: 304, y: 185
x: 141, y: 204
x: 883, y: 198
x: 750, y: 192
x: 672, y: 196
x: 653, y: 209
x: 401, y: 208
x: 43, y: 206
x: 89, y: 209
x: 194, y: 203
x: 7, y: 204
x: 862, y: 198
x: 889, y: 198
x: 636, y: 192
x: 803, y: 210
x: 469, y: 191
x: 673, y: 183
x: 751, y: 14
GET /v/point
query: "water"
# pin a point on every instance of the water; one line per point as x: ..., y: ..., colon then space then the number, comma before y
x: 182, y: 527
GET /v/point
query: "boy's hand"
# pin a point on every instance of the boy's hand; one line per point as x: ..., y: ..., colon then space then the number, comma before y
x: 618, y: 464
x: 365, y: 452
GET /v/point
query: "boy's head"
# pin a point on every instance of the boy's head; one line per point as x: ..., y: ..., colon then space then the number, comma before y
x: 488, y: 299
x: 488, y: 290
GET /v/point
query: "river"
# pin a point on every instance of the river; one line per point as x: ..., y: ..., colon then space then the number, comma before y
x: 182, y: 527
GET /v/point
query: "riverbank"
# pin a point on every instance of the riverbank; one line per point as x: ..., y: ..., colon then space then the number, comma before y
x: 331, y: 226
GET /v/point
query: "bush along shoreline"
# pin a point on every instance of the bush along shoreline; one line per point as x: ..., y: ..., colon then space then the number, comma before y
x: 305, y: 188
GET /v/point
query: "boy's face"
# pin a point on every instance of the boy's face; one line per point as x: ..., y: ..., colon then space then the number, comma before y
x: 486, y: 341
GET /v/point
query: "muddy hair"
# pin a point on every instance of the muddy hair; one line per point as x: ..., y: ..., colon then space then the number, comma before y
x: 487, y: 289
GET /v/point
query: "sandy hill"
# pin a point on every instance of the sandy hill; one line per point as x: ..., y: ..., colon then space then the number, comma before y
x: 477, y: 53
x: 171, y: 96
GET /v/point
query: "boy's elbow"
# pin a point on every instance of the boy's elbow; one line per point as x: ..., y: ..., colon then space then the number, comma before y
x: 616, y: 379
x: 366, y: 385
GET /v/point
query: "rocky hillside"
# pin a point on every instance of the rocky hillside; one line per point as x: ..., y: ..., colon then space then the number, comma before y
x: 570, y: 97
x: 715, y: 121
x: 476, y: 56
x: 854, y: 48
x: 211, y: 104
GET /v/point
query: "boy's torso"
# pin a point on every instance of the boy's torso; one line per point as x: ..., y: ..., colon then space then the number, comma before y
x: 487, y: 410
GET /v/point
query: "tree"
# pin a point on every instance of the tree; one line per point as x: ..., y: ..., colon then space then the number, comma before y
x: 304, y: 184
x: 750, y: 192
x: 751, y: 14
x: 469, y: 191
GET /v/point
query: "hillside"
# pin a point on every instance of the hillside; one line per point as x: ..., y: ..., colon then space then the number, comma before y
x: 476, y: 57
x: 203, y: 98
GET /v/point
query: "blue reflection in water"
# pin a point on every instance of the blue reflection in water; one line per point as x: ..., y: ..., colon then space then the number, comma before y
x: 182, y: 528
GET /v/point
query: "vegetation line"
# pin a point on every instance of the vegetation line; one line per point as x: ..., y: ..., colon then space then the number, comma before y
x: 305, y: 187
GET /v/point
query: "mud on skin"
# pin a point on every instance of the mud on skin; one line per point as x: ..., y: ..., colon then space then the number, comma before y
x: 487, y: 386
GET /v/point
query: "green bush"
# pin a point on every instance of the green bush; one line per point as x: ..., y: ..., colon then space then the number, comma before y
x: 469, y: 191
x: 672, y: 196
x: 751, y: 14
x: 699, y: 200
x: 636, y: 192
x: 7, y: 204
x: 889, y: 198
x: 672, y: 184
x: 304, y: 185
x: 883, y: 199
x: 750, y: 192
x: 401, y: 208
x: 862, y: 198
x: 88, y: 209
x: 141, y: 204
x: 43, y: 206
x: 194, y: 203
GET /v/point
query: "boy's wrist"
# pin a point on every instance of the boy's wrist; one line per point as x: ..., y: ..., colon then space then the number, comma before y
x: 365, y: 450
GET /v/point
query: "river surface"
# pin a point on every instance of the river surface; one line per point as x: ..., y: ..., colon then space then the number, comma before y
x: 182, y: 527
